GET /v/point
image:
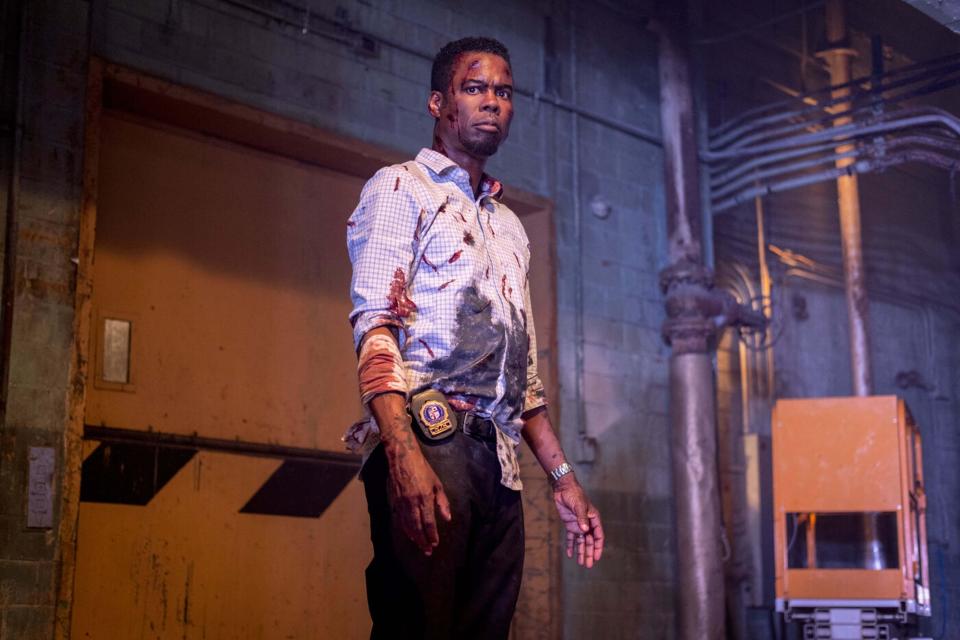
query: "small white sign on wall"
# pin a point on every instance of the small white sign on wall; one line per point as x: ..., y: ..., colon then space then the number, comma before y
x: 41, y: 465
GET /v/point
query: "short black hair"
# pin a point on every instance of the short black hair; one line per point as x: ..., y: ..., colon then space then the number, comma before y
x: 442, y: 73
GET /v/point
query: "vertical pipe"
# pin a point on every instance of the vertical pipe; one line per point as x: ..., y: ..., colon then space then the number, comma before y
x: 691, y: 334
x: 578, y: 238
x: 681, y: 179
x: 700, y: 584
x: 838, y: 57
x: 766, y: 291
x: 848, y: 197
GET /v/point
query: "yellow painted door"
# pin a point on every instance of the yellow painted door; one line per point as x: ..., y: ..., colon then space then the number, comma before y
x: 221, y: 371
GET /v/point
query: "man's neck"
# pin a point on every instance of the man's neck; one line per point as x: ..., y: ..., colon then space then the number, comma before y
x: 472, y: 165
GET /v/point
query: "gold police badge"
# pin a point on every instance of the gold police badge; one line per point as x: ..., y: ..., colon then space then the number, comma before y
x: 432, y: 414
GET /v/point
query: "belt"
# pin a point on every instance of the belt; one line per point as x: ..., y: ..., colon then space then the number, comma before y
x: 476, y: 426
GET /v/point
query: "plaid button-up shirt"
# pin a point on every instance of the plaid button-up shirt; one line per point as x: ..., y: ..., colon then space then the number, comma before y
x: 449, y: 272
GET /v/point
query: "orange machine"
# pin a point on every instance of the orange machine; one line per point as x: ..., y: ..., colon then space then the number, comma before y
x: 849, y: 504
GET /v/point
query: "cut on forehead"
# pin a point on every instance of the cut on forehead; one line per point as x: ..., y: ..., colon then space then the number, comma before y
x: 472, y: 49
x: 472, y: 60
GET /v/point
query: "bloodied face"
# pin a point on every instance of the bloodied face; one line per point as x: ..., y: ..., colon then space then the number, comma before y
x: 474, y: 113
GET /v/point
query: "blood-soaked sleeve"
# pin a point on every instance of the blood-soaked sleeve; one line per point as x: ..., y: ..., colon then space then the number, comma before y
x: 380, y: 242
x: 535, y: 396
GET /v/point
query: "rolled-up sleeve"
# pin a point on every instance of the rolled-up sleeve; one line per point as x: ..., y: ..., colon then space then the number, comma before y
x: 380, y: 243
x: 534, y: 396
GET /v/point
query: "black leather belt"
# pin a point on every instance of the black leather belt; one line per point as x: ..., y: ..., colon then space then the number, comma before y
x: 476, y: 426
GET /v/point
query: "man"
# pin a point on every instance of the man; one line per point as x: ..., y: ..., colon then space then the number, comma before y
x: 448, y: 369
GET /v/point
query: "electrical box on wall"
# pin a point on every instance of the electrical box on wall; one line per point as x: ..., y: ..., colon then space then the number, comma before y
x: 849, y: 507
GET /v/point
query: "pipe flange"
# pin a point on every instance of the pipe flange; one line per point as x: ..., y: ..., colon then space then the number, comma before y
x: 686, y: 273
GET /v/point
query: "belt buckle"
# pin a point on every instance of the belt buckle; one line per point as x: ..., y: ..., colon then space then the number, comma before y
x: 478, y: 427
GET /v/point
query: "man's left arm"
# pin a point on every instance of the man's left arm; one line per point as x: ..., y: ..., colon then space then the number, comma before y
x: 580, y: 518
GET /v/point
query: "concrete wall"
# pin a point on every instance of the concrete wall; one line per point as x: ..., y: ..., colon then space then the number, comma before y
x: 329, y: 78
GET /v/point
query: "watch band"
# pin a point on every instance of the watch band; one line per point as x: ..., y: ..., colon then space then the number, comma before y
x: 560, y: 471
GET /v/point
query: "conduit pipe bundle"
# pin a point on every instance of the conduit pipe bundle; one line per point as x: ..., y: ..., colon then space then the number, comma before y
x: 852, y: 127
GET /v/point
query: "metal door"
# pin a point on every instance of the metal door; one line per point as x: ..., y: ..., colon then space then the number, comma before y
x: 221, y: 374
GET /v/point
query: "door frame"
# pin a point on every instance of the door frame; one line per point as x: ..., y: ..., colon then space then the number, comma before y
x: 117, y: 87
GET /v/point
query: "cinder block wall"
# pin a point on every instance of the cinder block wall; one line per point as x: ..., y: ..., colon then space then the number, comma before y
x: 53, y: 58
x: 600, y: 58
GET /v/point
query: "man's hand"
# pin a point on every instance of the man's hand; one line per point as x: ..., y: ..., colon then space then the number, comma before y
x: 581, y: 519
x: 415, y: 494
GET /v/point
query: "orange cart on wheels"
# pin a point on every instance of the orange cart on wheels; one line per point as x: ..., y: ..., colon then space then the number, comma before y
x: 849, y: 509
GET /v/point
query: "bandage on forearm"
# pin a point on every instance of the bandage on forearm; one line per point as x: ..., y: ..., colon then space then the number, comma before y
x: 380, y: 367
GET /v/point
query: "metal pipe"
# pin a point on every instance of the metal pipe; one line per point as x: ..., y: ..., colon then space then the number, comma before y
x: 791, y: 183
x: 766, y: 292
x: 847, y: 130
x: 821, y: 110
x: 785, y: 106
x: 844, y: 133
x: 862, y: 166
x: 781, y: 170
x: 578, y: 240
x: 700, y: 583
x: 681, y: 181
x: 721, y: 178
x: 930, y: 157
x: 848, y: 200
x: 690, y: 329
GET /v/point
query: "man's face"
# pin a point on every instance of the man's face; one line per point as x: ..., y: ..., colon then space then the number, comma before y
x: 474, y: 114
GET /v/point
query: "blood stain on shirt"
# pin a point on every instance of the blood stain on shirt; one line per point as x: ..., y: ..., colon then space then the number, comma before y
x: 468, y: 238
x: 460, y: 213
x: 503, y: 285
x: 427, y: 262
x: 486, y: 274
x: 427, y: 347
x: 517, y: 259
x: 456, y: 256
x: 396, y: 185
x: 401, y: 305
x: 416, y: 231
x: 351, y: 223
x: 446, y: 284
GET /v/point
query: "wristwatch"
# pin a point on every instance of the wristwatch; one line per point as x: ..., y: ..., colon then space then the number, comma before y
x: 560, y: 471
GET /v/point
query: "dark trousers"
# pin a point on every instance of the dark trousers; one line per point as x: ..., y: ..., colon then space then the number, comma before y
x: 468, y: 587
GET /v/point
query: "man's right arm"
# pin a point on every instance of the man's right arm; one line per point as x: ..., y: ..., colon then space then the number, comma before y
x: 415, y: 490
x: 379, y: 241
